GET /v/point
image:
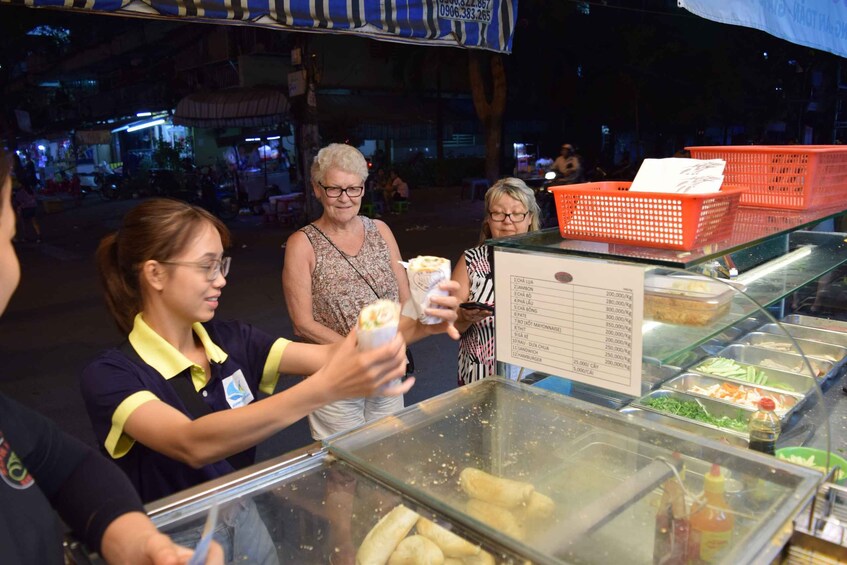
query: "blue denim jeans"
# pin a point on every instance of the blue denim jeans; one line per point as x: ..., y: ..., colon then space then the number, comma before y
x: 241, y: 533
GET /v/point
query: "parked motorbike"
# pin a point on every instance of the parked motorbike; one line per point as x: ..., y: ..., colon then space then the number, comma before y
x: 545, y: 199
x: 218, y: 195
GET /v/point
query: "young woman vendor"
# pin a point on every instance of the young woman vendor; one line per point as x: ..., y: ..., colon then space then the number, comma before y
x: 43, y: 469
x: 187, y: 398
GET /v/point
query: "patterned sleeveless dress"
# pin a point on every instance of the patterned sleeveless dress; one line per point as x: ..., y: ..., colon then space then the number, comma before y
x: 341, y: 286
x: 476, y: 348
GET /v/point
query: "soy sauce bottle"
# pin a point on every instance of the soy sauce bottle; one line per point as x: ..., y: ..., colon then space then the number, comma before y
x: 764, y: 427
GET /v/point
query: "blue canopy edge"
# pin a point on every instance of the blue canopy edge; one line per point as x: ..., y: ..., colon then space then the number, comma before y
x: 476, y: 24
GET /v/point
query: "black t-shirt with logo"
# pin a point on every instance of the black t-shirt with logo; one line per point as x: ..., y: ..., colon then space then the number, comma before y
x: 42, y: 467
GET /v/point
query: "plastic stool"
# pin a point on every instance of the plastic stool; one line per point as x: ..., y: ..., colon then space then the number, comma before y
x: 367, y: 209
x: 400, y: 206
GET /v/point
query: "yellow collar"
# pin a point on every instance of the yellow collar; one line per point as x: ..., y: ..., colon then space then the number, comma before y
x: 164, y: 357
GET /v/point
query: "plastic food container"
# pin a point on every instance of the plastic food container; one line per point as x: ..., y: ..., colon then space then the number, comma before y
x: 690, y: 301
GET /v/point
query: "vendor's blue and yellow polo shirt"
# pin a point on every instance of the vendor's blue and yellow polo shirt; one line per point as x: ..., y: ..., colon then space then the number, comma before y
x: 244, y: 363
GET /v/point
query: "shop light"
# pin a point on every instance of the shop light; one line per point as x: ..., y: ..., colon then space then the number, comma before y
x: 145, y: 125
x: 42, y: 148
x: 248, y: 139
x: 273, y: 137
x: 143, y: 114
x: 781, y: 263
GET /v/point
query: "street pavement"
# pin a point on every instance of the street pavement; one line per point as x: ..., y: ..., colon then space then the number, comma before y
x: 57, y: 320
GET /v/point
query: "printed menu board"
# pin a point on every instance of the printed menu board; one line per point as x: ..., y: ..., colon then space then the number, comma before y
x: 574, y: 318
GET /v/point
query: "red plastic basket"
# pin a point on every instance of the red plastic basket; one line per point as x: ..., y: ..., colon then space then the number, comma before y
x: 792, y: 177
x: 607, y: 211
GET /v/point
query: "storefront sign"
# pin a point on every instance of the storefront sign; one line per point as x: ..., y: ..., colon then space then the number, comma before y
x: 569, y: 317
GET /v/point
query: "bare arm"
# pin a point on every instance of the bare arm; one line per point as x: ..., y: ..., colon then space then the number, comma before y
x: 297, y: 288
x: 396, y: 267
x: 133, y: 539
x: 348, y: 374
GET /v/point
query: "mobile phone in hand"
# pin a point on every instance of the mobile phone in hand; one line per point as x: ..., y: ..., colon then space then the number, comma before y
x: 477, y: 306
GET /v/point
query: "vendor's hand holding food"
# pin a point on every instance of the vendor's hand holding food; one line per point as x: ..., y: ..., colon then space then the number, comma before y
x: 433, y: 302
x: 351, y: 373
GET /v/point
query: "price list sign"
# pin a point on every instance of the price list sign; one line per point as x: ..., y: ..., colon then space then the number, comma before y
x: 570, y: 317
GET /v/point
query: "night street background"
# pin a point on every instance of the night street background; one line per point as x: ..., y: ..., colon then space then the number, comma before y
x: 57, y: 320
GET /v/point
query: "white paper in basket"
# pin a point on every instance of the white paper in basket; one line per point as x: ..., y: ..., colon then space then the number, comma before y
x: 679, y: 175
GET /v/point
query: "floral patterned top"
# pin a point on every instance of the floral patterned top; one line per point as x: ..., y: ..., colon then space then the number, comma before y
x: 343, y: 284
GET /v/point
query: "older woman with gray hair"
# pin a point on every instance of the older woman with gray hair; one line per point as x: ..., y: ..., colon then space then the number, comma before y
x: 510, y: 209
x: 339, y: 264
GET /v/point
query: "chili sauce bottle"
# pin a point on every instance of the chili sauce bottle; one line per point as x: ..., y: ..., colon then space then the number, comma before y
x: 711, y: 522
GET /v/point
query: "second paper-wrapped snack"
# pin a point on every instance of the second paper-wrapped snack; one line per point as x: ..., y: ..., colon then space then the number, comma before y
x: 378, y: 323
x: 425, y: 272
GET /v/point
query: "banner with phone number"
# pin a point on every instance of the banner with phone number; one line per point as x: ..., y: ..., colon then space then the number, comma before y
x: 477, y: 11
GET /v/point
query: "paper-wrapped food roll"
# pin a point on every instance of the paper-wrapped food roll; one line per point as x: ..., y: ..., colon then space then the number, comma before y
x: 425, y: 272
x: 377, y: 324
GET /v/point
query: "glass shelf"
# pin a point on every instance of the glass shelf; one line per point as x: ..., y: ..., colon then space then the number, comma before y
x: 809, y: 256
x: 752, y: 226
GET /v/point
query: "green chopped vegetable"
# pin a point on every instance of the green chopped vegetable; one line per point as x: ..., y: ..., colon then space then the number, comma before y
x: 694, y: 411
x: 723, y: 367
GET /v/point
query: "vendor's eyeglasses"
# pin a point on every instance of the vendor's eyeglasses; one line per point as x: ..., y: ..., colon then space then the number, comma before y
x: 335, y: 191
x: 501, y: 216
x: 213, y: 268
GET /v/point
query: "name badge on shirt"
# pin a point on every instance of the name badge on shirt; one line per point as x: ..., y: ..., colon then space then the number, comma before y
x: 236, y: 390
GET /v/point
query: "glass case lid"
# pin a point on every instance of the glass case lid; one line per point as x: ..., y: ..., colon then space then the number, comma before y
x: 558, y: 480
x: 314, y: 511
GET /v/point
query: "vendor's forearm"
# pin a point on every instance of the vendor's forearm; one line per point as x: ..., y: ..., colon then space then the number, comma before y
x: 219, y: 435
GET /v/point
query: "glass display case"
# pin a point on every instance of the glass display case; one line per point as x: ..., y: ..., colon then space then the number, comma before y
x: 495, y: 472
x: 773, y: 330
x: 516, y: 472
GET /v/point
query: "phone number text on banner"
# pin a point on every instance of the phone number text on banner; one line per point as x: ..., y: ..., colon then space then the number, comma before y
x: 478, y: 11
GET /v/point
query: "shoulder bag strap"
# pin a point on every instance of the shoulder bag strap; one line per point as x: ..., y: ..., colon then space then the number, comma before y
x: 349, y: 262
x: 410, y: 360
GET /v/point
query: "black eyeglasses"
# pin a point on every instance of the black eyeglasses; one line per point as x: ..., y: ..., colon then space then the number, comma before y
x: 501, y: 216
x: 213, y: 268
x: 335, y: 191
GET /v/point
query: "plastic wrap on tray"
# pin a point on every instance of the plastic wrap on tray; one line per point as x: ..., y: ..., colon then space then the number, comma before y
x: 689, y: 301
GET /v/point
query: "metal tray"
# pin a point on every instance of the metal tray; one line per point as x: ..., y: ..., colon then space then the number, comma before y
x: 796, y: 384
x: 816, y: 349
x: 686, y: 425
x: 804, y: 332
x: 713, y: 408
x: 815, y: 322
x: 792, y: 362
x: 685, y: 381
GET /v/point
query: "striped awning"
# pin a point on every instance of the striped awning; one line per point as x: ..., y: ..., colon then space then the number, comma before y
x: 477, y: 24
x: 232, y: 107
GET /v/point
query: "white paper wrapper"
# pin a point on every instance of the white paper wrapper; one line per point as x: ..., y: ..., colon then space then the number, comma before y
x: 377, y: 324
x: 425, y: 272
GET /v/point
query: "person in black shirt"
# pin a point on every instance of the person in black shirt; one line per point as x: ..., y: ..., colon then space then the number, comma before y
x: 44, y: 471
